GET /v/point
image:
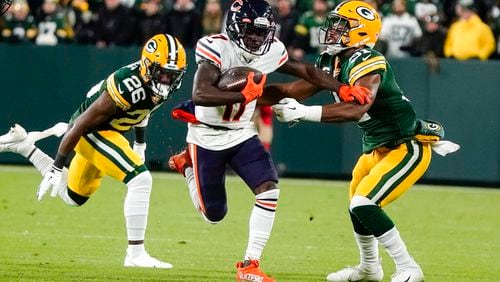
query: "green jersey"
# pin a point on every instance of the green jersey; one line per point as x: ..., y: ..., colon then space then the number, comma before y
x: 391, y: 119
x: 135, y: 100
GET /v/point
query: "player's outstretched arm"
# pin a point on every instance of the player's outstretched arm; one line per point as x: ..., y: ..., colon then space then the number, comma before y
x: 288, y: 110
x: 324, y: 80
x: 299, y: 90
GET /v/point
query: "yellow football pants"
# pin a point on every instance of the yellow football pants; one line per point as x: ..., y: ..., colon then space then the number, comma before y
x: 98, y: 154
x: 385, y: 174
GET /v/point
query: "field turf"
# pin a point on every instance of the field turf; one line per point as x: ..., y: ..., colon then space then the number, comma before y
x: 453, y: 232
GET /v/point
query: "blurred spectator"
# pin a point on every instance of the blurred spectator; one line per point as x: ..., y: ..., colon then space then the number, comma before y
x: 425, y: 8
x: 151, y: 20
x: 286, y: 19
x: 115, y: 24
x: 469, y: 37
x: 184, y: 22
x: 431, y: 44
x: 303, y: 6
x: 83, y: 28
x: 212, y: 17
x: 399, y: 29
x: 306, y: 31
x: 51, y: 24
x: 19, y: 23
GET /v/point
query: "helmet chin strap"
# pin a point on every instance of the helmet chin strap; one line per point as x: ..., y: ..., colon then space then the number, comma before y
x: 160, y: 89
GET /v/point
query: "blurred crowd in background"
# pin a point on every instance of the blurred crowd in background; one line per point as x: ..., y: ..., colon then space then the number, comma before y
x: 461, y: 29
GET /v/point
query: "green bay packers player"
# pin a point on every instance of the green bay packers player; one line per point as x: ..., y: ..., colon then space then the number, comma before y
x: 396, y: 146
x: 124, y: 100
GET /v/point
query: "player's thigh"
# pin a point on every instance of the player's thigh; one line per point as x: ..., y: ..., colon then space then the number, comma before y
x: 362, y: 168
x: 83, y: 177
x: 395, y: 172
x: 209, y: 168
x: 253, y: 163
x: 110, y: 152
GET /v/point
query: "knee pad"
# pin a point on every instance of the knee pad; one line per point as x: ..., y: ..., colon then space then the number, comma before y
x: 357, y: 201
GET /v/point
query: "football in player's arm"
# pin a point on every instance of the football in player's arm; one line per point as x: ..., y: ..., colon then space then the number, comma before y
x: 123, y: 100
x: 396, y: 145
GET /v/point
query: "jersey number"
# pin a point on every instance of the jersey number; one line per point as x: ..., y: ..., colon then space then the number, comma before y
x: 133, y: 118
x: 134, y: 86
x: 229, y: 111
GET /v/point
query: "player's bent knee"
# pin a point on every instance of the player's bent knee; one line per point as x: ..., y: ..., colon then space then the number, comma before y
x: 74, y: 198
x: 266, y: 186
x: 358, y: 200
x: 214, y: 215
x: 143, y: 180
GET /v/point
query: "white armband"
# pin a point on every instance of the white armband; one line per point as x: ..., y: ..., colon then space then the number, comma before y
x: 313, y: 113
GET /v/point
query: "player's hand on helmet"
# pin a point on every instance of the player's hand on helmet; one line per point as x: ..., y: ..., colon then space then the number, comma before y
x: 140, y: 149
x: 288, y: 109
x: 253, y: 90
x: 356, y: 93
x: 52, y: 179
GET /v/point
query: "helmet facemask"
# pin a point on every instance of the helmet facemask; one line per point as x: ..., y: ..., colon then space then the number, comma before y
x: 4, y: 6
x: 163, y: 81
x: 254, y: 38
x: 335, y: 33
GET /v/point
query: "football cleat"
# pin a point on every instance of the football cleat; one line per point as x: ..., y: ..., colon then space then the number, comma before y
x: 16, y: 141
x: 180, y: 161
x: 145, y: 260
x: 356, y: 273
x: 409, y: 274
x: 251, y: 272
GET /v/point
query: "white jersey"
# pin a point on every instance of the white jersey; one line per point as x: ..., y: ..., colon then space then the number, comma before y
x: 237, y: 118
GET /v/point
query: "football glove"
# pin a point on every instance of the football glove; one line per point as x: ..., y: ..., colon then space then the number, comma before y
x: 289, y: 110
x: 52, y: 179
x: 358, y: 94
x: 140, y: 149
x: 253, y: 90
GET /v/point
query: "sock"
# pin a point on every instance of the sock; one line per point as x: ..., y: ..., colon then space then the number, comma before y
x: 368, y: 251
x: 137, y: 204
x: 261, y: 223
x: 392, y: 242
x: 193, y: 190
x: 136, y: 250
x: 41, y: 161
x: 373, y: 218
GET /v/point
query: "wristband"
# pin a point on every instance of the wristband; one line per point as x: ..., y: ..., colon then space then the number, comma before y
x: 313, y: 113
x: 59, y: 161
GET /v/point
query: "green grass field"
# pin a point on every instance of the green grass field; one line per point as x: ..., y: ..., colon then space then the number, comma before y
x: 454, y: 233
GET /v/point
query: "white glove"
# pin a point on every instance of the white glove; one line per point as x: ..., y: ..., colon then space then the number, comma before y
x: 52, y: 179
x: 140, y: 149
x: 289, y: 110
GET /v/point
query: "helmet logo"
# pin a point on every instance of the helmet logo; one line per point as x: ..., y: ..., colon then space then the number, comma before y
x: 236, y: 6
x: 365, y: 13
x: 151, y: 46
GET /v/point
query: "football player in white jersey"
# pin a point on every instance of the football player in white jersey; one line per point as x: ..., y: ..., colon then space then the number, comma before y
x: 221, y: 132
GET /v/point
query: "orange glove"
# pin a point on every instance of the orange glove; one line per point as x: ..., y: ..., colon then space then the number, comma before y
x: 358, y: 94
x: 253, y: 90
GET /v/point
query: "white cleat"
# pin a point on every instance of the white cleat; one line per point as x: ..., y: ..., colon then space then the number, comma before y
x: 57, y: 130
x: 410, y: 274
x: 350, y: 274
x: 145, y: 260
x: 16, y: 141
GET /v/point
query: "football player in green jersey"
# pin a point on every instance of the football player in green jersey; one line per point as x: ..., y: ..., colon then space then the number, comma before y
x: 396, y: 146
x: 122, y: 101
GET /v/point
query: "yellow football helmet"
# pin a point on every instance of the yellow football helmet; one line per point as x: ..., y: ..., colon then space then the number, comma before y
x: 351, y: 24
x: 163, y: 64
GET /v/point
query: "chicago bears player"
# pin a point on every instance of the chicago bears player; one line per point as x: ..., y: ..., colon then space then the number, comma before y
x: 225, y: 133
x: 396, y: 146
x: 124, y: 100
